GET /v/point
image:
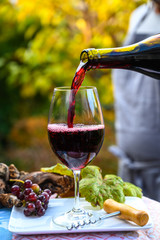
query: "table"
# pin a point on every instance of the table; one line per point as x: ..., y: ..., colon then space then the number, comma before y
x: 153, y: 233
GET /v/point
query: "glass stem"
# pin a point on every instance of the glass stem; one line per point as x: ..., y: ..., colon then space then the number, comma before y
x: 76, y: 207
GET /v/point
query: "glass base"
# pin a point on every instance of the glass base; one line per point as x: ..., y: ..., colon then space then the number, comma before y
x: 73, y: 219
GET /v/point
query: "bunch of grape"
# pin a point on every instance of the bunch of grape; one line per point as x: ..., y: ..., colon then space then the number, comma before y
x: 32, y: 197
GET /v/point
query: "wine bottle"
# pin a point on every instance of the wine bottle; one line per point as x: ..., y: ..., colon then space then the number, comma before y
x: 143, y: 57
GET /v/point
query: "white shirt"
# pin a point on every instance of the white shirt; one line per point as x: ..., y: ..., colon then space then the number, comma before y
x: 150, y: 25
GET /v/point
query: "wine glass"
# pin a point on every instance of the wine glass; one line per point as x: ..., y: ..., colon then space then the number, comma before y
x: 75, y: 146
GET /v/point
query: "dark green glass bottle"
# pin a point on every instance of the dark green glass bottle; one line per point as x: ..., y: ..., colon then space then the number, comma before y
x: 143, y: 57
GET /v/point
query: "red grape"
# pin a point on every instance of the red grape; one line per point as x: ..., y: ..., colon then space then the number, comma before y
x: 27, y: 212
x: 28, y: 183
x: 38, y: 204
x: 32, y: 197
x: 15, y: 190
x: 46, y: 196
x: 48, y: 191
x: 21, y: 196
x: 45, y: 205
x: 27, y: 191
x: 26, y: 198
x: 31, y: 207
x: 41, y: 211
x: 41, y: 198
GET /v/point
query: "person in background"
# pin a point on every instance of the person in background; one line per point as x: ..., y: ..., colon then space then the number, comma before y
x: 137, y: 109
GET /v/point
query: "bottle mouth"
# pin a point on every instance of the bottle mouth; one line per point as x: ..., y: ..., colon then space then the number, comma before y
x: 86, y: 55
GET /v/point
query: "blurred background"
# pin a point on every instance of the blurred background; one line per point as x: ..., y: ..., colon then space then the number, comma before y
x: 40, y: 46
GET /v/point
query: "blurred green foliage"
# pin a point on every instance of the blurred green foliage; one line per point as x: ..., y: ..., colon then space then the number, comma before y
x: 40, y: 45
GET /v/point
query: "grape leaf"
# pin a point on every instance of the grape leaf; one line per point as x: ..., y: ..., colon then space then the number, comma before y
x: 91, y: 171
x: 59, y: 169
x: 96, y: 190
x: 132, y: 190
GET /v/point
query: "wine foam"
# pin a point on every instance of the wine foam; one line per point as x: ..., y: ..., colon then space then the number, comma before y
x: 78, y: 127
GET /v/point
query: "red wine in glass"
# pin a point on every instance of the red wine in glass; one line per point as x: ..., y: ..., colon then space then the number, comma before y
x: 77, y: 146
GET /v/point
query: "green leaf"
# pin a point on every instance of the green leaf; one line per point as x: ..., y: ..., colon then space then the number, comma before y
x: 132, y: 190
x: 59, y: 169
x: 113, y: 180
x: 91, y: 171
x: 96, y: 190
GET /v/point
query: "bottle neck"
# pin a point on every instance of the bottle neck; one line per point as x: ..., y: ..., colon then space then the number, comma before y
x: 121, y: 57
